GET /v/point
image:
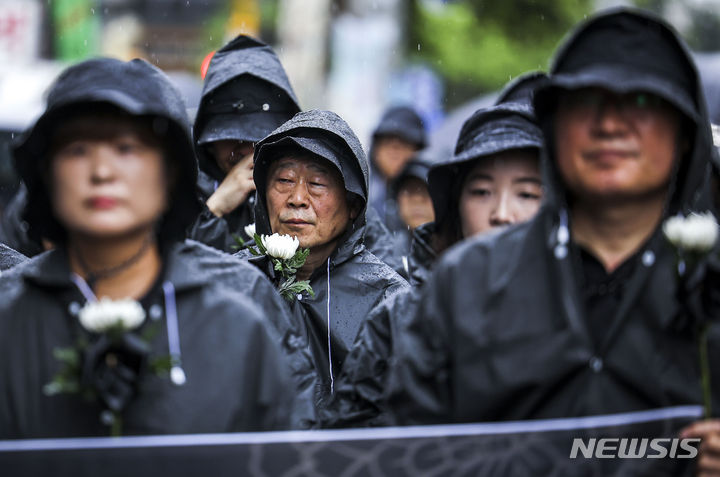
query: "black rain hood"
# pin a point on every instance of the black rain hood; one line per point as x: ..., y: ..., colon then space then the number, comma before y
x: 135, y: 87
x: 626, y: 50
x: 504, y: 127
x: 246, y: 95
x: 403, y: 122
x: 322, y: 134
x: 416, y: 168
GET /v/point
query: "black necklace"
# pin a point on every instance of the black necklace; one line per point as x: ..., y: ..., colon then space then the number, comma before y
x: 92, y: 276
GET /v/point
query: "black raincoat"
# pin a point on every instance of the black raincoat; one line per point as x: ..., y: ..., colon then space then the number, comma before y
x: 246, y: 95
x: 237, y: 379
x: 502, y: 330
x: 353, y: 281
x: 9, y: 257
x: 213, y: 300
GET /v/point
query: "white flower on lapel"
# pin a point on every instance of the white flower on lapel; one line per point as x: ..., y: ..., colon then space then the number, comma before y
x: 102, y: 315
x: 696, y: 232
x: 280, y: 246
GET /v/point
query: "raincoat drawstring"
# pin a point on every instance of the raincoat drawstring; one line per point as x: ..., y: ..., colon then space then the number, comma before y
x: 83, y: 287
x: 563, y: 236
x: 177, y: 374
x: 332, y: 378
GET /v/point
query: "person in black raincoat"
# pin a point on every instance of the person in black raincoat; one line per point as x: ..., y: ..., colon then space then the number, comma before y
x: 492, y: 181
x: 110, y: 172
x: 410, y: 192
x: 246, y: 95
x: 347, y: 279
x: 463, y: 202
x: 9, y: 257
x: 575, y: 312
x: 399, y: 135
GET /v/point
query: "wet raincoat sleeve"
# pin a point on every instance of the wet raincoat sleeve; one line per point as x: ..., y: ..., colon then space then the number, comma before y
x: 419, y: 388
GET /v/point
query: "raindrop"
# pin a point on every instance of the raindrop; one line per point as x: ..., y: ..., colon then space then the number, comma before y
x: 265, y: 107
x: 542, y: 17
x: 418, y: 46
x: 85, y: 42
x: 187, y: 3
x: 92, y: 10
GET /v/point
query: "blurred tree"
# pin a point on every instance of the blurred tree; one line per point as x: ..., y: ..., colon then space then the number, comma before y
x: 478, y: 45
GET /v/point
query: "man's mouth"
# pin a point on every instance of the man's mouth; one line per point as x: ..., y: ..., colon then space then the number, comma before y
x: 296, y: 222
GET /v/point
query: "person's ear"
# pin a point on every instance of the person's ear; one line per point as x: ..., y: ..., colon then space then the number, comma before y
x: 355, y: 206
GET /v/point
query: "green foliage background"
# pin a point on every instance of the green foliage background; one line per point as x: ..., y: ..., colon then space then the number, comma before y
x: 478, y: 45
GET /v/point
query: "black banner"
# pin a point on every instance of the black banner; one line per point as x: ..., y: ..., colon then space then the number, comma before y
x: 633, y: 444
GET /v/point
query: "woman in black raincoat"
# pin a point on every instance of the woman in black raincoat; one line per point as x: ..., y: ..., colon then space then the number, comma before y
x: 528, y: 324
x: 351, y: 280
x: 110, y: 173
x: 246, y: 95
x: 507, y: 128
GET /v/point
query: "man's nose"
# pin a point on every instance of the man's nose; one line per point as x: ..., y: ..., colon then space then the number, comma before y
x: 610, y: 118
x: 298, y: 195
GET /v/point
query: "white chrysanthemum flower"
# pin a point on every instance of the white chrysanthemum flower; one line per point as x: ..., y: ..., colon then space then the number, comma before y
x: 250, y: 230
x: 100, y: 316
x: 696, y: 232
x: 280, y: 246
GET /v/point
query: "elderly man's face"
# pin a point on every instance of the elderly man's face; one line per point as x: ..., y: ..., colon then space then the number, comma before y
x: 306, y: 198
x: 615, y: 147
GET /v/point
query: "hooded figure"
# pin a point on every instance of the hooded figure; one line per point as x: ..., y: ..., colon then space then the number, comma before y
x: 9, y: 257
x: 246, y: 95
x: 351, y: 280
x: 519, y: 325
x: 395, y: 140
x: 410, y: 193
x: 510, y: 125
x: 124, y: 117
x: 505, y: 128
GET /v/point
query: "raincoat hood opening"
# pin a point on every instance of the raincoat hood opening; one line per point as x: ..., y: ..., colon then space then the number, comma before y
x: 319, y: 134
x: 134, y: 88
x: 626, y: 50
x: 505, y: 127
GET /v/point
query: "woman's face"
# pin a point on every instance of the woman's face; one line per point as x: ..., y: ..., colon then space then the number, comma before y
x: 500, y: 190
x: 110, y: 184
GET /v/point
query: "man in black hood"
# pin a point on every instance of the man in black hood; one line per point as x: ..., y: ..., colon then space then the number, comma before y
x: 493, y: 144
x: 246, y: 95
x: 575, y: 313
x: 312, y: 180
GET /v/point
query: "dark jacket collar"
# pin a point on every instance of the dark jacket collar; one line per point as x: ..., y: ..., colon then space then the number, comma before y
x: 51, y: 269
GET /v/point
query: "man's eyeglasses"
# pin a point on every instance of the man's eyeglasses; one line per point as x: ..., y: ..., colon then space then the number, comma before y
x: 592, y: 100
